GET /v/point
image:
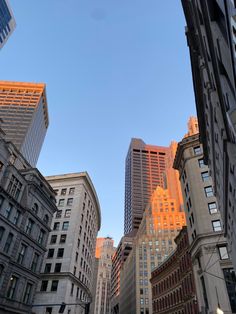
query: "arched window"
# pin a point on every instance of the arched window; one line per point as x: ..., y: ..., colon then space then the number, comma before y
x: 35, y: 208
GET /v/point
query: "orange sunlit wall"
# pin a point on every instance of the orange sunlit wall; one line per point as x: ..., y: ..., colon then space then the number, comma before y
x: 99, y: 245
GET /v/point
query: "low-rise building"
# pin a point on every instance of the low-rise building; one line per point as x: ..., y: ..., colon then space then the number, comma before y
x: 173, y: 288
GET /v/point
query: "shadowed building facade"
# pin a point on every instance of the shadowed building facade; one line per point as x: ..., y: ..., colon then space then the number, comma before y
x: 7, y: 22
x: 23, y: 109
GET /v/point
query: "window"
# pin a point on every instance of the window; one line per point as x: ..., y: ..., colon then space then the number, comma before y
x: 223, y: 252
x: 61, y: 202
x: 56, y: 192
x: 60, y: 252
x: 209, y: 191
x: 2, y: 230
x: 201, y: 163
x: 46, y: 219
x: 54, y: 285
x: 29, y: 226
x: 56, y: 226
x: 48, y: 267
x: 63, y: 192
x: 41, y: 236
x: 216, y: 225
x: 35, y: 208
x: 57, y: 268
x: 28, y: 290
x: 65, y: 225
x: 76, y: 256
x: 8, y: 243
x: 53, y: 239
x: 35, y: 262
x: 8, y: 211
x: 1, y: 200
x: 71, y: 191
x: 70, y: 201
x: 50, y: 253
x: 63, y: 238
x: 1, y: 165
x: 197, y: 150
x: 205, y: 176
x: 12, y: 287
x: 58, y: 214
x: 44, y: 285
x: 212, y: 208
x: 16, y: 217
x: 14, y: 187
x: 67, y: 213
x: 21, y: 254
x: 72, y: 289
x: 48, y: 310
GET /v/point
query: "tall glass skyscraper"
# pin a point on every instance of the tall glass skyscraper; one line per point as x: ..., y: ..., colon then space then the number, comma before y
x: 7, y: 22
x: 23, y: 109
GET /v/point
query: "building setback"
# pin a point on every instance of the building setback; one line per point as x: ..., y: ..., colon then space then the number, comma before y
x: 27, y: 204
x: 67, y: 270
x: 173, y: 288
x: 154, y: 241
x: 211, y: 38
x: 23, y: 109
x: 104, y: 252
x: 212, y: 266
x: 7, y: 22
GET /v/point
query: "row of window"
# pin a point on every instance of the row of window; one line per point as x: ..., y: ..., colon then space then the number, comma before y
x: 69, y: 202
x: 70, y: 191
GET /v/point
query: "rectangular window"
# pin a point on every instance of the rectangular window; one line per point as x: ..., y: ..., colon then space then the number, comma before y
x: 65, y: 225
x: 71, y: 191
x: 216, y: 224
x: 12, y: 287
x: 57, y: 268
x: 27, y: 294
x: 44, y: 285
x: 67, y: 213
x: 29, y: 226
x: 70, y: 201
x: 50, y: 253
x: 60, y: 252
x: 8, y: 211
x: 72, y: 289
x: 1, y: 200
x: 58, y: 214
x: 223, y: 252
x: 61, y: 202
x: 48, y: 267
x: 205, y: 176
x: 209, y: 191
x: 16, y: 217
x: 201, y: 163
x: 14, y: 187
x: 63, y: 192
x: 63, y: 238
x: 197, y: 150
x: 54, y: 285
x: 41, y: 236
x: 8, y: 243
x: 56, y: 226
x: 1, y: 165
x: 35, y: 261
x: 212, y: 208
x: 53, y: 239
x: 21, y: 254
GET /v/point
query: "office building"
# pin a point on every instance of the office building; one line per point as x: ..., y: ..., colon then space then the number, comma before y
x: 67, y: 270
x: 23, y: 109
x: 212, y: 266
x: 7, y: 22
x: 145, y: 169
x: 154, y: 241
x: 121, y: 253
x: 173, y: 287
x: 104, y: 252
x: 211, y: 39
x: 27, y: 205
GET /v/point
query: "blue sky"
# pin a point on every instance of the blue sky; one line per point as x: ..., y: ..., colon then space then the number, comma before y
x: 114, y: 70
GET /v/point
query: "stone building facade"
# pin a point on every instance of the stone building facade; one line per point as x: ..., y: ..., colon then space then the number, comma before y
x: 27, y: 205
x: 67, y: 271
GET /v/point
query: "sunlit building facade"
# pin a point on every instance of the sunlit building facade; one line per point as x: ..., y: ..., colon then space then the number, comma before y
x: 67, y: 271
x: 7, y: 22
x: 24, y: 114
x: 162, y: 220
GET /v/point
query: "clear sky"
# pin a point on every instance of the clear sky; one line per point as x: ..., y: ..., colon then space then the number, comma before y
x: 114, y: 69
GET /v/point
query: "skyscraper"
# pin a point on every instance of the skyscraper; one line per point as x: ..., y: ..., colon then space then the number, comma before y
x: 23, y: 109
x: 145, y: 169
x: 7, y: 22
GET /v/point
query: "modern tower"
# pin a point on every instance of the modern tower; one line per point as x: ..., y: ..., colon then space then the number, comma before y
x: 23, y: 109
x: 68, y: 265
x: 7, y: 22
